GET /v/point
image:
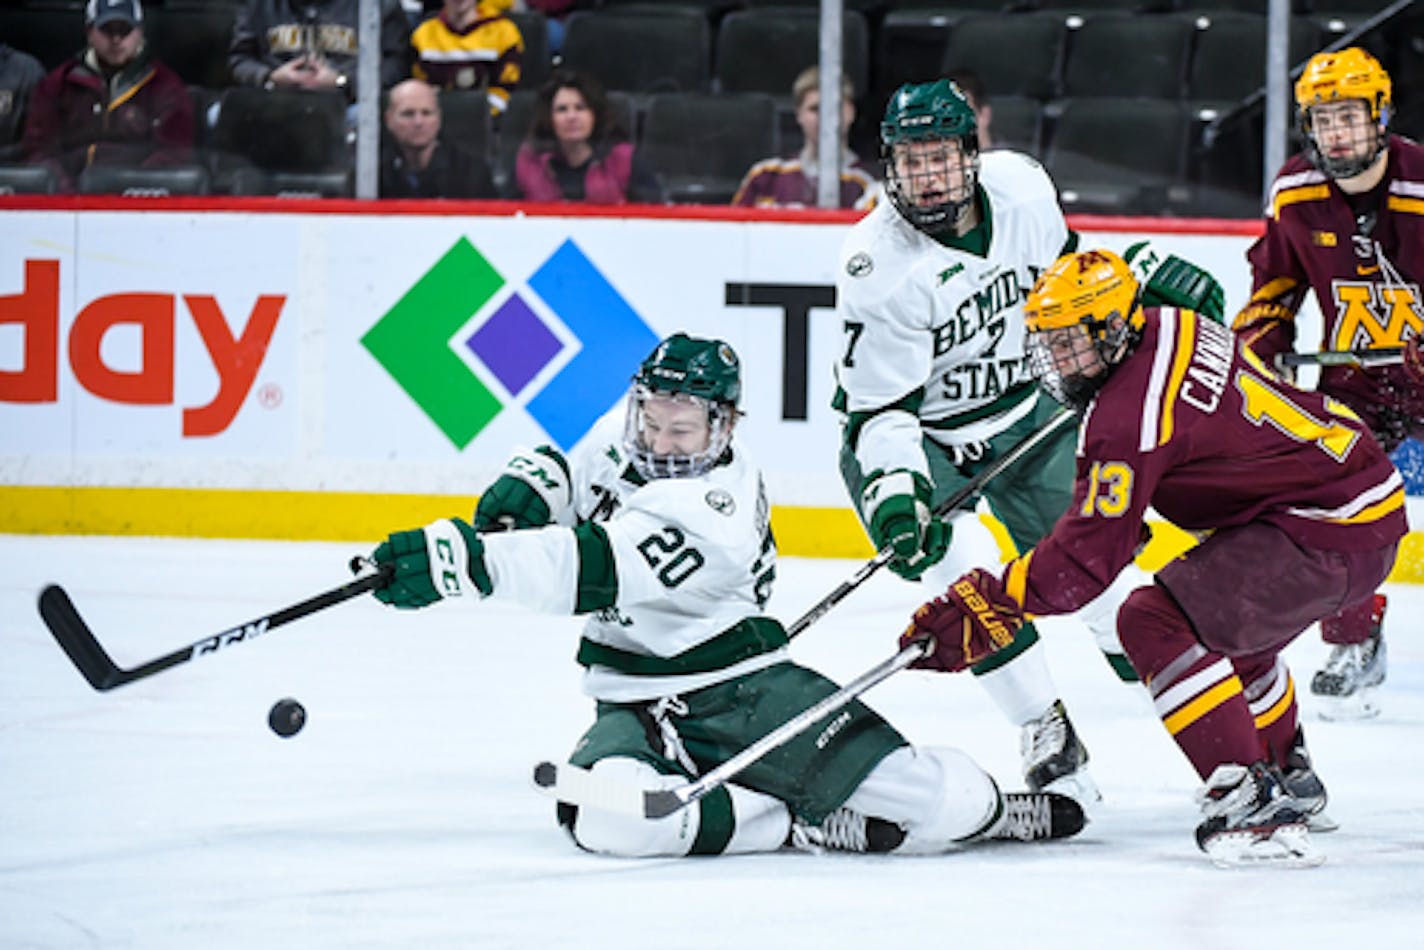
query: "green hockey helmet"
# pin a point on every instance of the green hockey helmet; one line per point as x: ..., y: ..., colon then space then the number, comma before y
x: 929, y: 140
x: 686, y: 371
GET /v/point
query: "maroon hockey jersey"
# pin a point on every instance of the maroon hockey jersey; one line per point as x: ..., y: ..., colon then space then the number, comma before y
x: 1196, y: 427
x: 1369, y: 295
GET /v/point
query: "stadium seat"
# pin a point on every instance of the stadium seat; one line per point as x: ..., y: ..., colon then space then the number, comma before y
x: 910, y: 47
x: 1117, y: 156
x: 26, y: 180
x: 701, y: 145
x: 143, y: 182
x: 51, y: 33
x: 763, y: 50
x: 1230, y: 58
x: 640, y: 52
x: 1019, y: 55
x: 255, y: 181
x: 708, y: 8
x: 1099, y: 6
x: 1017, y: 123
x: 860, y: 5
x: 1124, y: 54
x: 534, y: 28
x: 192, y: 39
x: 281, y: 130
x: 465, y: 118
x: 984, y: 6
x: 1354, y: 7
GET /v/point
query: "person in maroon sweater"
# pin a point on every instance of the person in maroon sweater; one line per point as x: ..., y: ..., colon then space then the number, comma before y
x: 111, y: 104
x: 1346, y: 220
x: 1300, y: 511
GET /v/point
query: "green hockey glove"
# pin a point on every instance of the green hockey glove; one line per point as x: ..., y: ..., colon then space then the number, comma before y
x: 531, y: 493
x: 444, y: 559
x: 896, y: 509
x: 1169, y: 281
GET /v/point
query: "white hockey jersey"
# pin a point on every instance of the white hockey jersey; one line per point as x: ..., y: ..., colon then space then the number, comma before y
x: 920, y: 317
x: 694, y: 561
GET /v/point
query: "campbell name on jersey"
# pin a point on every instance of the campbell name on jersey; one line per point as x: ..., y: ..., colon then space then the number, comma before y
x: 693, y: 559
x: 1199, y: 429
x: 922, y: 317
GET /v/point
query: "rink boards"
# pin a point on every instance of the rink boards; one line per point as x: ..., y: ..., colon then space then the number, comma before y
x: 311, y: 370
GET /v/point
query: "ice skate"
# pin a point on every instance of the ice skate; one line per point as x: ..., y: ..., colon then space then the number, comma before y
x: 1348, y: 685
x: 1252, y: 820
x: 1054, y: 759
x: 846, y: 830
x: 1305, y: 786
x: 1036, y: 816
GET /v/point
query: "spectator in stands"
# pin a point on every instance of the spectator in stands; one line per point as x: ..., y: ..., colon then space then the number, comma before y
x: 972, y: 86
x: 470, y: 44
x: 416, y: 162
x: 790, y: 182
x: 19, y: 74
x: 111, y: 104
x: 312, y: 44
x: 576, y: 149
x: 556, y: 12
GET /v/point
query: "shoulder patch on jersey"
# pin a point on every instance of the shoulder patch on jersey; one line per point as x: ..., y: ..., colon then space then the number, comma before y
x: 721, y: 502
x: 860, y: 264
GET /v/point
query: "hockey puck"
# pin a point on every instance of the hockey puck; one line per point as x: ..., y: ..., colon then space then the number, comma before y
x: 287, y: 717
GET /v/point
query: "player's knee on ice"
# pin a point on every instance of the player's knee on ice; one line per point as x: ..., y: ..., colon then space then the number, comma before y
x: 729, y: 820
x: 940, y: 796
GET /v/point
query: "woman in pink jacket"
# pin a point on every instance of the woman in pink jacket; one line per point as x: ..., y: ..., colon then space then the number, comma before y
x: 577, y: 151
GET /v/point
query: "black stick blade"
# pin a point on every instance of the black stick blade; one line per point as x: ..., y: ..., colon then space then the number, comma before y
x: 75, y: 637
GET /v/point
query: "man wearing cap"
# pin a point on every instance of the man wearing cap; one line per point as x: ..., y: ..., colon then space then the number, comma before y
x: 112, y: 104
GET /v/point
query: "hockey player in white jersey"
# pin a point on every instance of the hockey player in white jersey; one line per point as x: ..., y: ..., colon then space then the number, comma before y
x: 934, y: 383
x: 656, y: 529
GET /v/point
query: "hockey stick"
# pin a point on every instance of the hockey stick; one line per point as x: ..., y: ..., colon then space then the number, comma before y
x: 579, y: 786
x: 83, y: 648
x: 1381, y: 356
x: 884, y: 556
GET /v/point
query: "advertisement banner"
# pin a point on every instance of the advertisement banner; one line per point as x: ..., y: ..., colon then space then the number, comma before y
x: 310, y: 374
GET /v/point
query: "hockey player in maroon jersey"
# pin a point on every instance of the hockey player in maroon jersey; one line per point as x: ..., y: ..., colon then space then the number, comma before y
x: 1346, y: 220
x: 1301, y: 513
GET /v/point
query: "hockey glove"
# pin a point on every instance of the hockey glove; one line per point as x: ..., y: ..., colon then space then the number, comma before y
x: 1169, y: 281
x: 896, y: 507
x: 1414, y: 361
x: 974, y: 618
x: 532, y: 491
x: 444, y: 559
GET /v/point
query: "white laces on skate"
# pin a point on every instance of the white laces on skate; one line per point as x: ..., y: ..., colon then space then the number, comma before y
x: 1026, y: 818
x: 1044, y: 737
x: 841, y: 830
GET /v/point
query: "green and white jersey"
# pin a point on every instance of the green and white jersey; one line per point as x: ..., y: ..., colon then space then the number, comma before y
x: 691, y: 561
x: 935, y: 340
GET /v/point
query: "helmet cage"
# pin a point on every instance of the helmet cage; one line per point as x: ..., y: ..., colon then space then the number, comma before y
x: 933, y: 112
x: 1098, y: 346
x: 904, y: 188
x: 1082, y: 317
x: 1337, y: 77
x: 652, y: 465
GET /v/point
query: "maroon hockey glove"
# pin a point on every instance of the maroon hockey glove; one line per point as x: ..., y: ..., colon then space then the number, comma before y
x: 971, y: 620
x: 1414, y: 361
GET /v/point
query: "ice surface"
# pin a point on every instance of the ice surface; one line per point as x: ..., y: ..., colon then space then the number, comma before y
x: 166, y: 814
